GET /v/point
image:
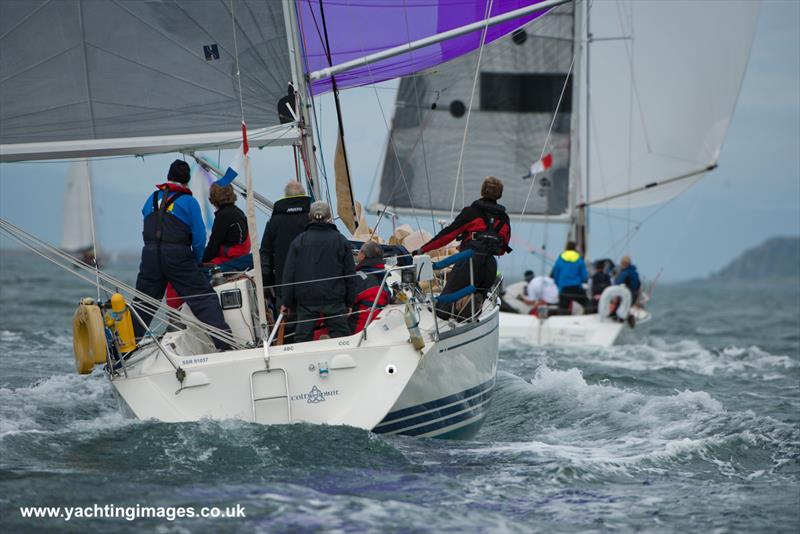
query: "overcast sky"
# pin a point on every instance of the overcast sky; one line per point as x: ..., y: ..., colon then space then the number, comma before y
x: 753, y: 195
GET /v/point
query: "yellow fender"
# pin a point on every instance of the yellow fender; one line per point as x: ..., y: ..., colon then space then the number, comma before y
x: 88, y: 336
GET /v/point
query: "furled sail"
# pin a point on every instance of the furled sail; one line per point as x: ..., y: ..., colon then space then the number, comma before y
x: 76, y: 219
x: 520, y: 81
x: 664, y: 78
x: 356, y: 29
x: 131, y: 76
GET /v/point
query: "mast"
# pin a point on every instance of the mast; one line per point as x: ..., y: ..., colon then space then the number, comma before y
x: 580, y: 224
x: 305, y: 117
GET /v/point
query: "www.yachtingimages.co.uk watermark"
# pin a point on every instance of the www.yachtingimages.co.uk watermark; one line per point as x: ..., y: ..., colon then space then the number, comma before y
x: 132, y: 513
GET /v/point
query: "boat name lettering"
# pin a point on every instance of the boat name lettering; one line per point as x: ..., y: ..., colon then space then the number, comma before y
x: 192, y: 361
x: 344, y: 343
x: 316, y: 395
x: 288, y: 349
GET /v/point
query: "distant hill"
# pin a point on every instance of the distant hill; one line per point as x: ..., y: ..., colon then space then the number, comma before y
x: 775, y: 259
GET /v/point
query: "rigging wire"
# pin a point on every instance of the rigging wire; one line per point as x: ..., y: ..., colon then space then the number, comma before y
x: 460, y: 169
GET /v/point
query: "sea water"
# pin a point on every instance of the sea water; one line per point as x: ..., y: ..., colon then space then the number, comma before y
x: 689, y: 424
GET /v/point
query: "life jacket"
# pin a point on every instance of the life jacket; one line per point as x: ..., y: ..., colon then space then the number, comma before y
x: 489, y: 240
x: 161, y: 226
x: 232, y: 252
x: 366, y: 297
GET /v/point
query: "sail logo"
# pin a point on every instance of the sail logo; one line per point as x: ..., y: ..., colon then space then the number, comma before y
x: 316, y: 395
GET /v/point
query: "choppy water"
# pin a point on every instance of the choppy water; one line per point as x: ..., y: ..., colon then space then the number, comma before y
x: 692, y: 424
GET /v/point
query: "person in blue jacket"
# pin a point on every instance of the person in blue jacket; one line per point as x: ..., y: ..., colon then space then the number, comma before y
x: 174, y: 241
x: 569, y: 273
x: 629, y: 277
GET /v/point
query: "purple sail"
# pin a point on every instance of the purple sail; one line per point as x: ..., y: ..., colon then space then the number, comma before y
x: 356, y: 28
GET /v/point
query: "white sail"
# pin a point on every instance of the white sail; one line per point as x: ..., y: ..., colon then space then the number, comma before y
x: 96, y: 77
x: 663, y: 82
x: 76, y: 220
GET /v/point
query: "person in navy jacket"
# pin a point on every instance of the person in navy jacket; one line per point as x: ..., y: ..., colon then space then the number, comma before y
x: 569, y: 273
x: 174, y: 241
x: 629, y: 277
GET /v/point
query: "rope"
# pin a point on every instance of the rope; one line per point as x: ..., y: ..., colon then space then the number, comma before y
x: 460, y: 169
x: 146, y: 302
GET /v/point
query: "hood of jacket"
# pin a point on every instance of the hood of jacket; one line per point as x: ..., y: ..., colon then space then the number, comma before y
x: 316, y: 226
x: 570, y: 256
x: 489, y: 206
x: 292, y: 205
x: 371, y: 264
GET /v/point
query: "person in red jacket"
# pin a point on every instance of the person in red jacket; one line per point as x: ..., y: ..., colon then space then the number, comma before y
x: 368, y: 286
x: 483, y: 227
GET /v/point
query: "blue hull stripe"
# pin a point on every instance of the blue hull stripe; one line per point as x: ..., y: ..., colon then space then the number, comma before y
x: 438, y: 414
x: 490, y: 332
x: 432, y: 405
x: 444, y: 423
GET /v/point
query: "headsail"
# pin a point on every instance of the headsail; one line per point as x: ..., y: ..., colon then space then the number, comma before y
x: 520, y: 81
x: 664, y: 78
x: 356, y: 29
x: 76, y: 219
x: 102, y: 77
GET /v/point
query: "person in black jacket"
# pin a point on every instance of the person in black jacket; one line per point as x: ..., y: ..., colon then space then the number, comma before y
x: 289, y: 219
x: 598, y: 283
x: 483, y: 227
x: 229, y: 237
x: 318, y: 277
x: 369, y: 286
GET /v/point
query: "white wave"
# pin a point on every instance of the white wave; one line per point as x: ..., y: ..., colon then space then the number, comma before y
x: 689, y: 355
x: 74, y: 399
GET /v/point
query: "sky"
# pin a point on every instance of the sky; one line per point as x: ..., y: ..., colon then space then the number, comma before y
x: 752, y: 196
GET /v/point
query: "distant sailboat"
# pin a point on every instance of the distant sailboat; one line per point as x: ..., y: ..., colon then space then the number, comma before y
x: 76, y: 218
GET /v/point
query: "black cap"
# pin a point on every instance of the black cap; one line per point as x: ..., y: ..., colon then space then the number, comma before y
x: 179, y: 172
x: 528, y: 274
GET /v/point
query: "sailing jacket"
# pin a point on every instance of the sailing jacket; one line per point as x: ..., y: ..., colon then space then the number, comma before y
x: 367, y: 288
x: 600, y: 281
x: 289, y: 219
x: 229, y: 237
x: 181, y: 221
x: 320, y: 253
x: 629, y: 276
x: 569, y: 270
x: 470, y: 223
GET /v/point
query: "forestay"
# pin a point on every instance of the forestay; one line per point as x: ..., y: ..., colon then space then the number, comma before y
x: 520, y: 80
x: 664, y: 78
x: 90, y: 77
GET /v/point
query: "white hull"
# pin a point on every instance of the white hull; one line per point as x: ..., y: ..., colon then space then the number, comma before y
x: 567, y: 330
x: 429, y: 392
x: 564, y: 330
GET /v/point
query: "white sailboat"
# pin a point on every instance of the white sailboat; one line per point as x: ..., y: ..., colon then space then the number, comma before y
x: 179, y: 76
x: 625, y: 103
x: 76, y: 219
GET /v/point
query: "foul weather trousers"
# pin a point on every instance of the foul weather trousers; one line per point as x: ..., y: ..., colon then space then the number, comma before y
x: 484, y: 268
x: 334, y: 316
x: 176, y: 264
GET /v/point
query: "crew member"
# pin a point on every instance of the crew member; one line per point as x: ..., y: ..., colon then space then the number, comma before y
x: 229, y: 238
x: 569, y: 273
x: 174, y: 242
x: 629, y: 277
x: 229, y: 235
x: 318, y: 277
x: 599, y: 282
x: 370, y: 264
x: 483, y: 227
x: 289, y: 219
x: 540, y: 291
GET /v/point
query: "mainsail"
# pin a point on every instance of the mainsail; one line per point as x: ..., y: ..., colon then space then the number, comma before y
x: 134, y: 77
x: 76, y: 219
x: 520, y: 81
x: 663, y: 82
